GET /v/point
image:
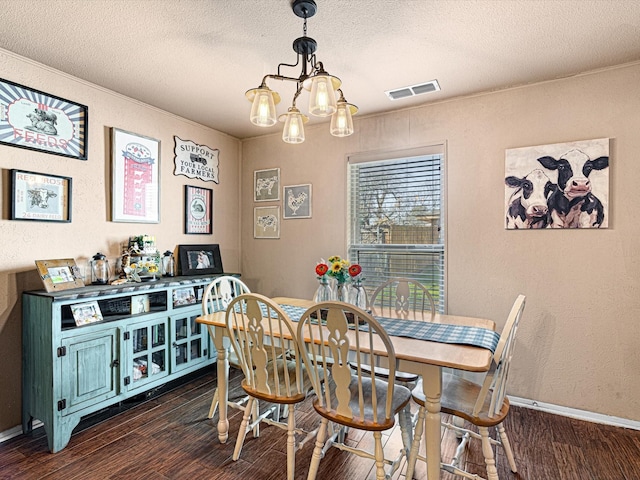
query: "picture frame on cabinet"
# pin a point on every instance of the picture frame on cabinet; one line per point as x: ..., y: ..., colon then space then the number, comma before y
x: 135, y: 171
x: 266, y: 185
x: 58, y: 275
x: 198, y: 215
x: 200, y: 259
x: 140, y: 304
x: 40, y: 197
x: 184, y: 296
x: 296, y: 201
x: 86, y: 313
x: 39, y: 121
x: 266, y: 222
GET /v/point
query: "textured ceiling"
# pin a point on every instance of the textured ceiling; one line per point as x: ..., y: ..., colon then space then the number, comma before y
x: 196, y: 58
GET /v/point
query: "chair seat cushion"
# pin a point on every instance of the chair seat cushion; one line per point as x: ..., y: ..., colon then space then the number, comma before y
x: 365, y: 420
x: 459, y: 398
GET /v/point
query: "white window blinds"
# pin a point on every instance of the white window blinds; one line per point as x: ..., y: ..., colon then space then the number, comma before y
x: 396, y: 221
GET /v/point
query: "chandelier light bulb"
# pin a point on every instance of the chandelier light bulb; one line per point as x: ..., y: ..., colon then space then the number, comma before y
x: 263, y: 109
x: 322, y: 100
x: 293, y: 126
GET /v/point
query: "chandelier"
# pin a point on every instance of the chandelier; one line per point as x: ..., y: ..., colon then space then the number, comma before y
x: 323, y: 90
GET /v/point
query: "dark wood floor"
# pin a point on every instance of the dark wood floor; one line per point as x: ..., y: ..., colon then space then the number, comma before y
x: 169, y: 437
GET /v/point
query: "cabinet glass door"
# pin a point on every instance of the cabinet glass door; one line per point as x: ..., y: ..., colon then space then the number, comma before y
x: 148, y: 352
x: 189, y: 343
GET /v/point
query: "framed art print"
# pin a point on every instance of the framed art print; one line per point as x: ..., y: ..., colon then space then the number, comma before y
x: 40, y: 121
x: 135, y: 193
x: 266, y: 222
x: 266, y: 185
x: 297, y: 201
x: 198, y: 216
x: 40, y: 197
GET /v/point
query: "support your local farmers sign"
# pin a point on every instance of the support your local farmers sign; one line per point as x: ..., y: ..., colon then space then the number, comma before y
x: 196, y: 161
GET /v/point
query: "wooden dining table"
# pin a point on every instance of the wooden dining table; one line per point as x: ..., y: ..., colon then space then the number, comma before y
x: 422, y: 357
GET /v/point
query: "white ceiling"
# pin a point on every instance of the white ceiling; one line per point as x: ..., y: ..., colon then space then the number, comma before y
x: 196, y: 58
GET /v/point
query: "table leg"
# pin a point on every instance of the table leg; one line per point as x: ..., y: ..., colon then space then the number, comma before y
x: 432, y: 387
x: 222, y: 364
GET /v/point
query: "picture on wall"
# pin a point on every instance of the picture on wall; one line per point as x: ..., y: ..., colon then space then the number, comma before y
x: 198, y: 217
x: 135, y: 193
x: 562, y: 185
x: 266, y: 222
x: 195, y: 161
x: 297, y: 201
x: 266, y: 185
x: 40, y: 121
x: 40, y: 197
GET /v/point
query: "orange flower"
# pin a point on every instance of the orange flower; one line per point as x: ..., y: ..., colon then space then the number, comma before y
x: 321, y: 269
x: 355, y: 270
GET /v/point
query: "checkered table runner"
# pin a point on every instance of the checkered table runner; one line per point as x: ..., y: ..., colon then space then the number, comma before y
x: 433, y: 332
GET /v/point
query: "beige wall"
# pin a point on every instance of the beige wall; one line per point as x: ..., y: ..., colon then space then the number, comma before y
x: 578, y: 343
x: 90, y: 231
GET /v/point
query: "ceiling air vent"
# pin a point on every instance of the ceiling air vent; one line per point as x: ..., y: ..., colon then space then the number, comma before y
x: 413, y: 90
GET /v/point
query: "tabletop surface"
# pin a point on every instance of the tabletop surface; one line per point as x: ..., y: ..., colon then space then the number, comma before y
x: 462, y: 357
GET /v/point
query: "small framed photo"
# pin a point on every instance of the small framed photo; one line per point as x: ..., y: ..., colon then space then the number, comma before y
x: 140, y: 304
x: 200, y: 259
x: 135, y: 171
x: 297, y: 201
x: 40, y: 121
x: 184, y: 296
x: 266, y: 222
x: 85, y: 313
x: 58, y: 275
x: 266, y: 185
x: 40, y: 197
x: 198, y: 216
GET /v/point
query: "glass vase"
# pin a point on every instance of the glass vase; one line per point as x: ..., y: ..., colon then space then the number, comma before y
x: 342, y: 292
x: 358, y: 296
x: 324, y: 292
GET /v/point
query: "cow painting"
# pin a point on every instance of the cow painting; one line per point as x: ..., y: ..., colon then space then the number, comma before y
x: 573, y: 204
x: 557, y: 186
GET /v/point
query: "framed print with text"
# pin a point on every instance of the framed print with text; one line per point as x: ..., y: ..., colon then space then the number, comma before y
x: 198, y: 216
x: 40, y: 197
x: 40, y: 121
x: 135, y: 169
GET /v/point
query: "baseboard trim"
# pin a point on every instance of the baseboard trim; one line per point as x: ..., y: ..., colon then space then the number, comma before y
x: 15, y: 431
x: 575, y: 413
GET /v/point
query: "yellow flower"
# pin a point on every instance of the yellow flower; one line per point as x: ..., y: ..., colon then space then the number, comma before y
x: 336, y: 267
x: 334, y: 259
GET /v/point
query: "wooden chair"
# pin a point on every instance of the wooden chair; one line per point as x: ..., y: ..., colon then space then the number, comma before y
x: 403, y: 298
x: 484, y: 405
x: 406, y: 299
x: 216, y: 298
x: 351, y: 398
x: 262, y: 336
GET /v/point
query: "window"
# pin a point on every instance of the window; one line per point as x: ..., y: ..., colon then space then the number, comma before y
x: 396, y: 220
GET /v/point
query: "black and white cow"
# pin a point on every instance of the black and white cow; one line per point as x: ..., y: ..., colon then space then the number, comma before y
x: 572, y: 204
x: 40, y: 197
x: 527, y: 206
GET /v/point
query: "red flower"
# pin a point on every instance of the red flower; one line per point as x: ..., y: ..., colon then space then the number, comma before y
x: 322, y: 269
x: 355, y: 270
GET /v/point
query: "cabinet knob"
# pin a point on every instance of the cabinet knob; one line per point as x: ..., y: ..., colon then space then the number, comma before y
x: 115, y: 363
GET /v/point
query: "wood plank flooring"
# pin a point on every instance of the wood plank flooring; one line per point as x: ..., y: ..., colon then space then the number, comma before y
x: 169, y: 437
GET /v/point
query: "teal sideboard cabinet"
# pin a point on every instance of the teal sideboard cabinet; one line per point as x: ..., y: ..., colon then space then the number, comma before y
x: 88, y: 348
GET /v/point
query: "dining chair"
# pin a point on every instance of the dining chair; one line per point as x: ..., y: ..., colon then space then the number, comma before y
x: 483, y: 405
x: 262, y: 336
x: 407, y: 299
x: 333, y: 335
x: 216, y: 298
